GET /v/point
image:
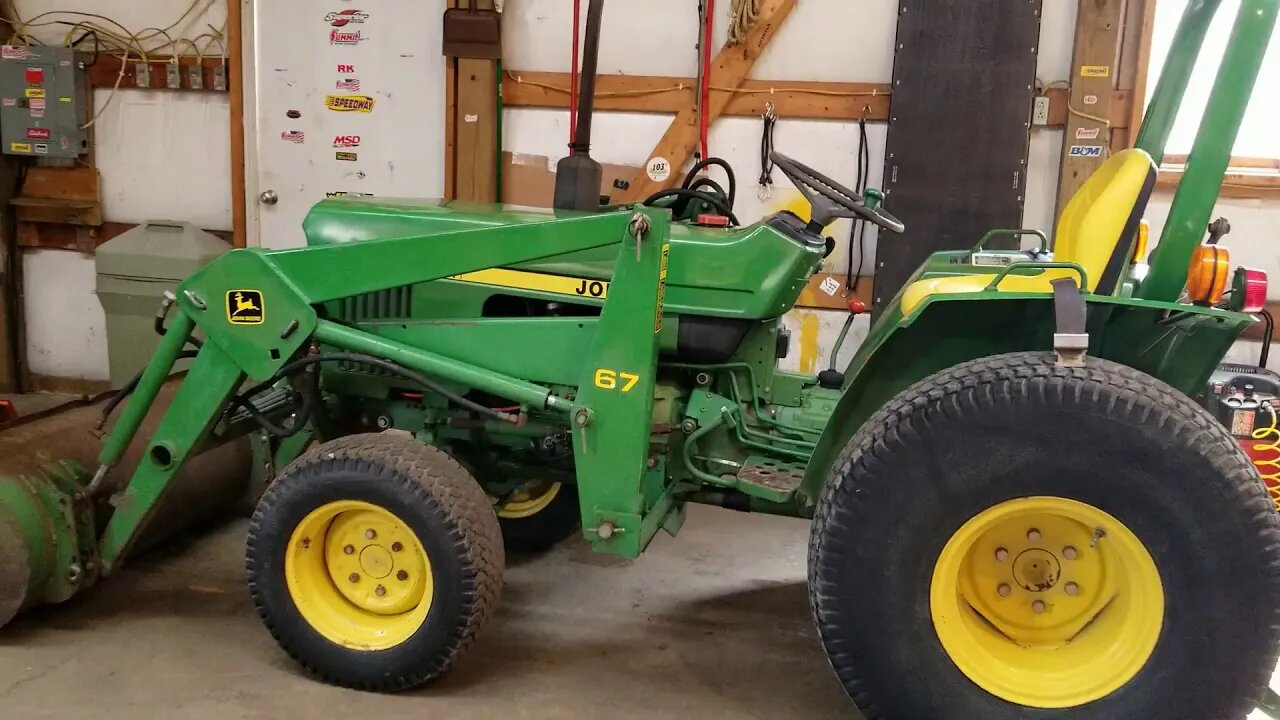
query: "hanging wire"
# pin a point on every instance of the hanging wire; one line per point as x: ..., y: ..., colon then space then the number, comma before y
x: 770, y: 119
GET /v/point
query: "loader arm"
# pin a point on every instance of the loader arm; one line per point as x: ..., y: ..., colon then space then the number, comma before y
x: 258, y: 311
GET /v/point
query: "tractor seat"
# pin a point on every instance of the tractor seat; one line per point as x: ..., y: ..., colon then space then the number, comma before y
x: 1094, y: 232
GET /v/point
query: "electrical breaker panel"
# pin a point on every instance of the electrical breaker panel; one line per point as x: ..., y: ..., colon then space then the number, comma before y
x: 43, y: 108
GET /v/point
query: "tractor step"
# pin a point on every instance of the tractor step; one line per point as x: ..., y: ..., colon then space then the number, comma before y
x: 770, y: 479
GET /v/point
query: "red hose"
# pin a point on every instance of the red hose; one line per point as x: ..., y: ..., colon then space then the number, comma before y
x: 573, y: 72
x: 705, y: 90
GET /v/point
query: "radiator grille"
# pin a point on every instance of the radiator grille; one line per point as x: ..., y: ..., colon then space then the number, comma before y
x: 393, y: 304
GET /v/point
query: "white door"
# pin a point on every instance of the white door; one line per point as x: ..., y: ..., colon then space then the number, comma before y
x: 347, y: 97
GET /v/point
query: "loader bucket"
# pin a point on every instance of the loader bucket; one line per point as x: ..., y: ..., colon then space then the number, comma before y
x: 48, y: 534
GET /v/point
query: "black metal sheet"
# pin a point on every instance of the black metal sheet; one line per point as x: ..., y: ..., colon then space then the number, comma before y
x: 959, y: 129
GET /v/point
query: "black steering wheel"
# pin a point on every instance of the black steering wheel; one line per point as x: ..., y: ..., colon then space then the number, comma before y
x: 831, y: 200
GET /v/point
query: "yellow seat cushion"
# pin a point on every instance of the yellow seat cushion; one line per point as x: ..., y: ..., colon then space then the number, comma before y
x: 1096, y: 219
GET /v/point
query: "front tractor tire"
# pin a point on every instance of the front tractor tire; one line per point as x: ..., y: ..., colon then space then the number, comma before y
x: 374, y: 560
x: 538, y: 516
x: 1012, y: 539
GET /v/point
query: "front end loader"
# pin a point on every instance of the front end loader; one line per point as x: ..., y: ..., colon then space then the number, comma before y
x: 1017, y: 508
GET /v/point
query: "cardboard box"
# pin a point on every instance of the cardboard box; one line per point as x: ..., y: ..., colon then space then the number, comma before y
x: 530, y: 180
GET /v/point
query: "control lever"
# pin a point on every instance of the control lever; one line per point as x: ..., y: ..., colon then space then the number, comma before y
x: 1218, y: 229
x: 831, y: 378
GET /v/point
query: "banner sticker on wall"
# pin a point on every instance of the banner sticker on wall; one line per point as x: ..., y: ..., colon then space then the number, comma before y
x: 349, y: 103
x: 349, y: 84
x: 1086, y: 151
x: 1095, y: 71
x: 346, y: 141
x: 342, y: 18
x: 1088, y: 133
x: 294, y: 136
x: 347, y: 156
x: 337, y: 37
x: 658, y: 169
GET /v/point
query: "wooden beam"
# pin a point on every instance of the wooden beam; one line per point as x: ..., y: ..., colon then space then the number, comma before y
x: 235, y: 73
x: 55, y: 236
x: 729, y: 68
x: 1093, y: 70
x: 1234, y: 185
x: 815, y: 297
x: 67, y: 195
x: 105, y: 71
x: 1141, y: 54
x: 476, y: 123
x: 658, y: 94
x: 1059, y: 98
x: 450, y: 121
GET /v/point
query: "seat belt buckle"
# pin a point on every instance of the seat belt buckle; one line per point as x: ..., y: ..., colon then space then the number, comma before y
x: 1070, y: 348
x: 1070, y: 341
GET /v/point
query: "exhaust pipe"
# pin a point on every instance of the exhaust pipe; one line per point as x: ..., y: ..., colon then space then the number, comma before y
x: 578, y: 176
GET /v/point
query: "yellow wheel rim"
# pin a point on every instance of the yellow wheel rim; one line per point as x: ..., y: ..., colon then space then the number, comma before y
x: 1047, y: 602
x: 359, y: 575
x: 530, y: 499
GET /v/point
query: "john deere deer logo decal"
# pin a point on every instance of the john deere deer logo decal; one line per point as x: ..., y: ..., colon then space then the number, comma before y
x: 245, y: 307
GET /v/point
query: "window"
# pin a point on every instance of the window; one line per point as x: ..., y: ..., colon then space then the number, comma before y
x: 1257, y: 149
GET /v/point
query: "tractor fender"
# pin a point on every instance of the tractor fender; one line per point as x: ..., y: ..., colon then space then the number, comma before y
x: 900, y: 352
x: 1178, y: 344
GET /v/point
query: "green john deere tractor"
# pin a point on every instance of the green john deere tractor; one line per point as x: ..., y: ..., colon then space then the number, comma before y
x: 1017, y: 509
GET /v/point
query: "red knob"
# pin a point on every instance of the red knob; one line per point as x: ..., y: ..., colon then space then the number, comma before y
x: 857, y: 307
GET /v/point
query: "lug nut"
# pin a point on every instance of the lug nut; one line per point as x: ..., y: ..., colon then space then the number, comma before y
x: 1004, y: 590
x: 1002, y: 554
x: 379, y: 591
x: 370, y: 534
x: 1033, y: 535
x: 402, y: 576
x: 396, y: 547
x: 354, y: 577
x: 349, y: 550
x: 306, y: 543
x: 1038, y: 607
x: 1071, y: 589
x: 1069, y: 553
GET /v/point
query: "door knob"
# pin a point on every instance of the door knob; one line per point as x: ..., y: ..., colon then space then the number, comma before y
x: 269, y: 197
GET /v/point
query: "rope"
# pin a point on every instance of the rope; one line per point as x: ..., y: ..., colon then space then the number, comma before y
x: 742, y: 17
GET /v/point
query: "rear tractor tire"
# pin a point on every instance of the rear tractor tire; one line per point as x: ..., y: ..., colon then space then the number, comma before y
x: 1011, y: 539
x: 374, y: 560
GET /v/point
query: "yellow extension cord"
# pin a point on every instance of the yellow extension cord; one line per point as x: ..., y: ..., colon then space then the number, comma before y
x: 1269, y: 468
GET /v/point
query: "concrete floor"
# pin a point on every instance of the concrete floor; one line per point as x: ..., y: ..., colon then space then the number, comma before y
x: 695, y: 628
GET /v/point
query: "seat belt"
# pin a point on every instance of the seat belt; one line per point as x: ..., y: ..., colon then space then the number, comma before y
x: 1070, y: 341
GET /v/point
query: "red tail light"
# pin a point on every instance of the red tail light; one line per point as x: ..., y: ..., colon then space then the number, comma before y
x: 1255, y: 290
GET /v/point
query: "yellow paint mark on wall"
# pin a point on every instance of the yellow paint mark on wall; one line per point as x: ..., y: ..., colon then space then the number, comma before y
x: 809, y: 326
x: 794, y: 202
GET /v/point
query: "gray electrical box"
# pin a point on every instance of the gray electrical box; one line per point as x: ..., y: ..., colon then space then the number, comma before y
x: 43, y: 101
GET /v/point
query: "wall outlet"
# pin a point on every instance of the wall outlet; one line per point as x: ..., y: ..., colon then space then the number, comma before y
x: 173, y: 76
x: 1040, y: 111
